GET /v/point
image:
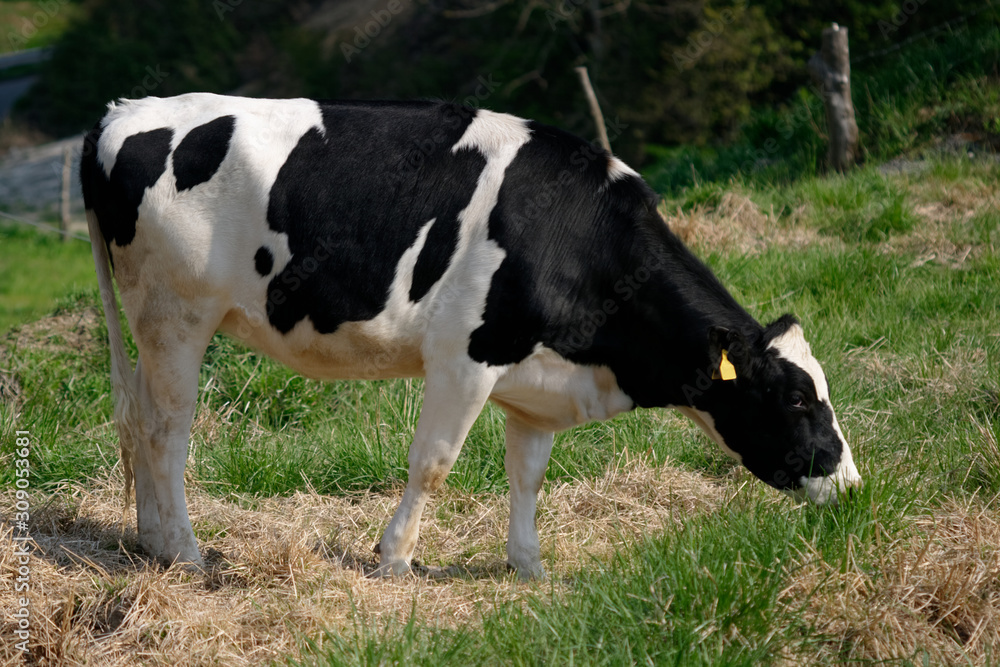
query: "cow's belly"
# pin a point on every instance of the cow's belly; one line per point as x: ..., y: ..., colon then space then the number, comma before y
x: 357, y: 350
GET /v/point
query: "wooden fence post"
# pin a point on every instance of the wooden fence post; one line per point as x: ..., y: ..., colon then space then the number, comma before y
x: 831, y: 69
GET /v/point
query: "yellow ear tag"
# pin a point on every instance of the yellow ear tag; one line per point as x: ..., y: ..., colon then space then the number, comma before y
x: 726, y: 369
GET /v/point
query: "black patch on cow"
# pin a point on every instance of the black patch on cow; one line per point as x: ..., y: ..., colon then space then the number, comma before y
x: 434, y: 257
x: 353, y: 197
x: 201, y: 151
x: 779, y: 327
x: 593, y: 272
x: 263, y: 261
x: 139, y: 164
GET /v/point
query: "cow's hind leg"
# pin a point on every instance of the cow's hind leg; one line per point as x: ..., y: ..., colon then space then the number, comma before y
x: 527, y: 456
x: 170, y: 355
x: 146, y: 512
x: 453, y: 399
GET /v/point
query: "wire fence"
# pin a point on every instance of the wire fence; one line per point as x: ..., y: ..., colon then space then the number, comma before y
x: 44, y: 227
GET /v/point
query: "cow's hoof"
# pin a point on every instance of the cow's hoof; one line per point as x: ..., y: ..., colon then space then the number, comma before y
x: 528, y: 573
x: 152, y: 546
x: 186, y: 566
x: 392, y: 569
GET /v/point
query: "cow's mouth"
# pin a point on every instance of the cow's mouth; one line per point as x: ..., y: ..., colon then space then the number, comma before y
x: 829, y: 489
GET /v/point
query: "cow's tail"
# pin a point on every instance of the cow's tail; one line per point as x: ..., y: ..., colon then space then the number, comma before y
x: 123, y: 379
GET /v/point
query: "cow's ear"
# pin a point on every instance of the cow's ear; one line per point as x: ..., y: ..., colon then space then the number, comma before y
x: 728, y: 353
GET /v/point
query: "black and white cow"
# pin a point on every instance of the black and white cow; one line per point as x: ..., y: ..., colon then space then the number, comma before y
x: 498, y: 258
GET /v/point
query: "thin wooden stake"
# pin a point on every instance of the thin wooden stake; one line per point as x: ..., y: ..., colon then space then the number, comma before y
x: 595, y: 108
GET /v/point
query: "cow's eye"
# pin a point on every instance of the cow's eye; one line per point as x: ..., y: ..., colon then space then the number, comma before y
x: 795, y: 401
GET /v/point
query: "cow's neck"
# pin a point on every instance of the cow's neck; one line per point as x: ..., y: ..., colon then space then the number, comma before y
x: 673, y: 317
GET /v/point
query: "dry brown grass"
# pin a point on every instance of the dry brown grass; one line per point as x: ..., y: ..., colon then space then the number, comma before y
x: 938, y: 237
x: 738, y: 225
x: 934, y: 376
x: 15, y: 135
x: 284, y: 568
x: 944, y: 209
x: 934, y: 595
x: 71, y: 331
x: 74, y: 331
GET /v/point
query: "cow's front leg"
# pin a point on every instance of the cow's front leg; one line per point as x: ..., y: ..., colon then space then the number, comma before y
x: 452, y: 401
x: 527, y: 456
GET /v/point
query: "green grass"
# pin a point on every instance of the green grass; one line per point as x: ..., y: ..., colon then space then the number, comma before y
x: 679, y: 598
x: 907, y: 332
x: 31, y: 24
x: 36, y: 269
x: 709, y: 593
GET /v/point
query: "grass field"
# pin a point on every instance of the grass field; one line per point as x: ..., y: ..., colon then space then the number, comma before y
x: 27, y: 254
x: 660, y: 550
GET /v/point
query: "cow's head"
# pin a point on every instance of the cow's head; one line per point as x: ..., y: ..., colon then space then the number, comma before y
x: 769, y: 407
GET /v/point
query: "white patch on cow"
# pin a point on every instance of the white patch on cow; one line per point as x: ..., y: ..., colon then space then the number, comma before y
x: 617, y: 170
x: 494, y: 134
x: 823, y: 490
x: 792, y: 346
x: 707, y: 424
x: 268, y: 125
x: 460, y: 296
x: 551, y: 393
x: 205, y: 229
x: 456, y: 386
